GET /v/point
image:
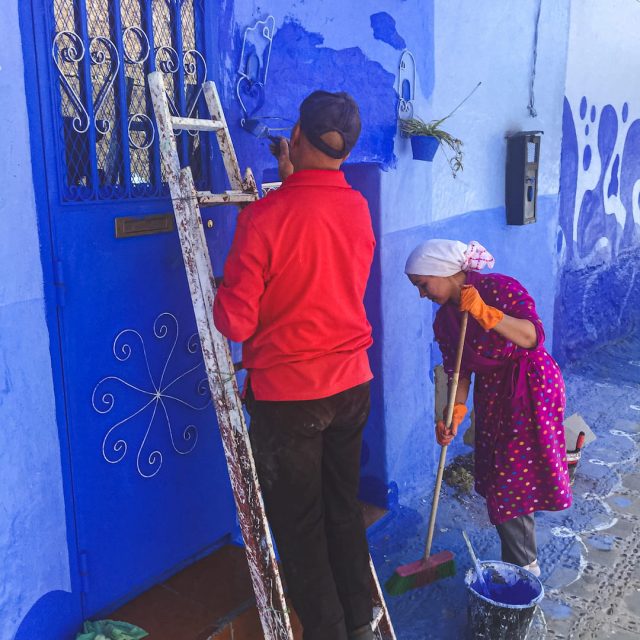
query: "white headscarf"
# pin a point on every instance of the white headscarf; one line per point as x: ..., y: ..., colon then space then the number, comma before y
x: 447, y: 257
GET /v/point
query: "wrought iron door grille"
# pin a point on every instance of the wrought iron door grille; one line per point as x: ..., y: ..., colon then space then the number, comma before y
x: 102, y: 51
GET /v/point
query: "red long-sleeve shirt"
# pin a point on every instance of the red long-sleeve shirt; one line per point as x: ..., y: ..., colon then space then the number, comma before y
x: 293, y: 288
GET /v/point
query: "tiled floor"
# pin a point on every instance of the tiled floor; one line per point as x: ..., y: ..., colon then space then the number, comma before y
x: 211, y: 599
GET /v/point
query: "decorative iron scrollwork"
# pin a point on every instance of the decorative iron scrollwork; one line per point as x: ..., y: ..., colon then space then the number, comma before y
x: 157, y: 399
x: 104, y: 52
x: 71, y: 52
x: 107, y: 130
x: 133, y: 34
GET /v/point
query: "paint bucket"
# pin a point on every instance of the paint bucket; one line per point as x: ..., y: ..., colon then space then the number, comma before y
x: 508, y: 611
x: 424, y: 147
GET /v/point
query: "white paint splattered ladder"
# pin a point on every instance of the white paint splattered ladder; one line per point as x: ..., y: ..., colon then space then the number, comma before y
x: 187, y: 201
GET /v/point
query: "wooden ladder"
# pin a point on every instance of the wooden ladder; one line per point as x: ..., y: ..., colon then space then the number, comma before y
x: 187, y: 201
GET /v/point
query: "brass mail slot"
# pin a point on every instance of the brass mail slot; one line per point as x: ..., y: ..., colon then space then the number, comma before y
x: 144, y: 226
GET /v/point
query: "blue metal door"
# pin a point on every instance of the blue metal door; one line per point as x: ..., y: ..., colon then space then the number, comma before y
x: 149, y: 479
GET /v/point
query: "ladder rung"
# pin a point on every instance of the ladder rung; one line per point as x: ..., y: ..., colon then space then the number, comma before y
x: 195, y: 124
x: 268, y: 187
x: 228, y: 197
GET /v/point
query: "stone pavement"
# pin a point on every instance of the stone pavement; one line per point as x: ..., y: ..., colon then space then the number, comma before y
x: 589, y: 554
x: 602, y: 599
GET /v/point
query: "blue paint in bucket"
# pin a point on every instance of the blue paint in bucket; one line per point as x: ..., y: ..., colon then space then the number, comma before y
x: 506, y: 613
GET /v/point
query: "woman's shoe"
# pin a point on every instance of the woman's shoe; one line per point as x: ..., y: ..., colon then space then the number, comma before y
x: 533, y: 567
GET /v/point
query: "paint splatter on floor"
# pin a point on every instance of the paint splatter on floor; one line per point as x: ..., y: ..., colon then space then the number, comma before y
x: 602, y: 543
x: 585, y: 552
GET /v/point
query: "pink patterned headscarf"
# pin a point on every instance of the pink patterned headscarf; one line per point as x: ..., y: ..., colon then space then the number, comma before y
x: 447, y: 257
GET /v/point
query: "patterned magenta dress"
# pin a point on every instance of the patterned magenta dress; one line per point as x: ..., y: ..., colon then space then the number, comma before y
x: 519, y: 402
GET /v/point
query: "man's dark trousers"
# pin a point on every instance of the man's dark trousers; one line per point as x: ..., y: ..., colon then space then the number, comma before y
x: 308, y: 461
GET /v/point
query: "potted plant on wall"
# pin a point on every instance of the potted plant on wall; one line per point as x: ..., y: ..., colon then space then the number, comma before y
x: 426, y: 137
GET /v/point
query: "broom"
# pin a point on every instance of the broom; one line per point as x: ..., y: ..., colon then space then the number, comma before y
x: 441, y: 565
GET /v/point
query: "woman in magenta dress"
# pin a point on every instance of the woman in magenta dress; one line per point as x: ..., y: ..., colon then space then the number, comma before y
x: 519, y: 393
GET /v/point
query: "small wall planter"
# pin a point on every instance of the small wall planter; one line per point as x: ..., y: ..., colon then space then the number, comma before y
x: 426, y: 137
x: 424, y: 147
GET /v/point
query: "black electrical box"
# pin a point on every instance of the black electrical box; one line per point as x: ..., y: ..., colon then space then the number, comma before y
x: 521, y: 184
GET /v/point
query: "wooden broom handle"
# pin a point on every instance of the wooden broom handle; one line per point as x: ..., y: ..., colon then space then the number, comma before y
x: 453, y: 388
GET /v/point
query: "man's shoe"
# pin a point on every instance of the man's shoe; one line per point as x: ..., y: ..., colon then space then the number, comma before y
x: 362, y: 633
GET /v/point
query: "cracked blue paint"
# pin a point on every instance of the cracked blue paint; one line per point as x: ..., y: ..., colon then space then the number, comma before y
x: 300, y: 64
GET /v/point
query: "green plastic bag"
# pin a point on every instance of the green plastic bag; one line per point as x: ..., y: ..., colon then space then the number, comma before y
x: 110, y: 630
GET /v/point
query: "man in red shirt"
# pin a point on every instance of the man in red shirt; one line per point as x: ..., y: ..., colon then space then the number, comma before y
x: 293, y: 289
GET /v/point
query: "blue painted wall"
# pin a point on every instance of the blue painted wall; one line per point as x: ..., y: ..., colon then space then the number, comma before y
x: 341, y: 47
x: 599, y: 236
x: 411, y: 354
x: 33, y: 514
x: 422, y: 200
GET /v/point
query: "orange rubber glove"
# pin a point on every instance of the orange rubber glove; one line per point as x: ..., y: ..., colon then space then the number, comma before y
x: 444, y: 436
x: 470, y: 300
